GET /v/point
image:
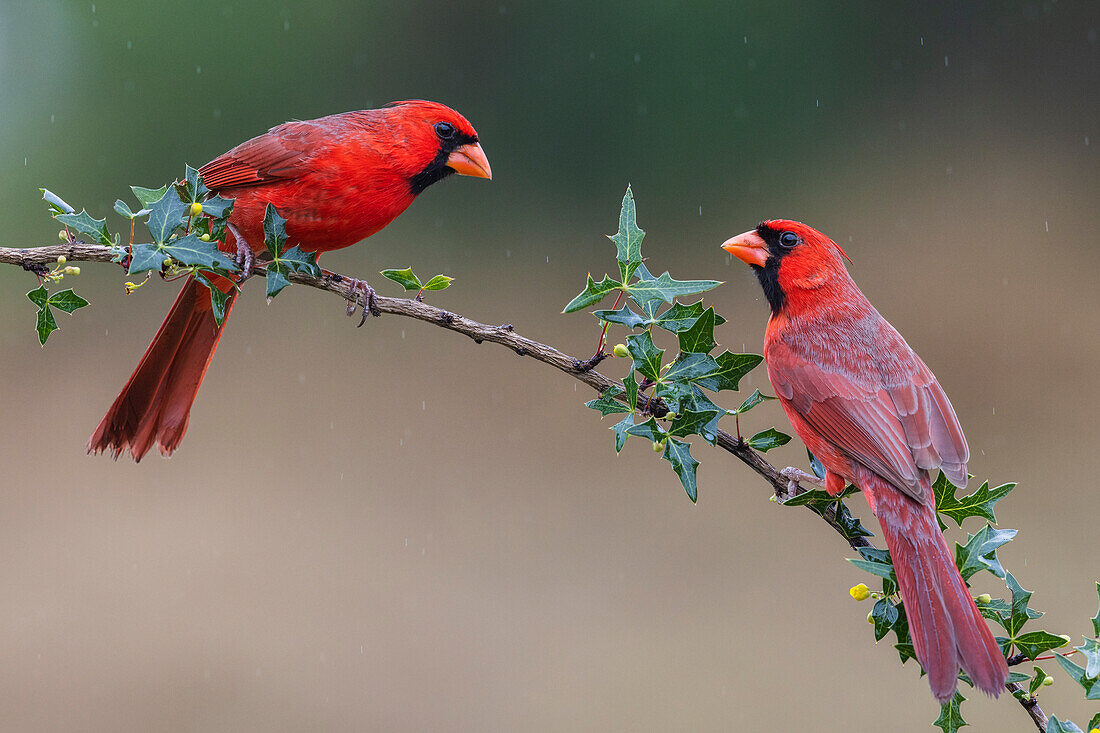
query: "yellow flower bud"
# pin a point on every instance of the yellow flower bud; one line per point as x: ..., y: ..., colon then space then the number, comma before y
x: 871, y: 617
x: 984, y: 598
x: 61, y: 260
x: 860, y: 592
x: 196, y: 209
x: 621, y: 351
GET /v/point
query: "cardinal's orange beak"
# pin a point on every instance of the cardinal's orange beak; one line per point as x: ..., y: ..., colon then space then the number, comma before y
x: 748, y: 247
x: 470, y: 160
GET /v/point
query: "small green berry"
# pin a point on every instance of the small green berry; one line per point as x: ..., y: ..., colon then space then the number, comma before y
x: 76, y: 270
x: 63, y: 235
x: 204, y: 237
x: 196, y: 209
x: 984, y: 598
x: 70, y: 270
x: 1048, y: 682
x: 658, y: 446
x: 61, y: 260
x: 871, y: 617
x: 167, y: 261
x: 621, y: 351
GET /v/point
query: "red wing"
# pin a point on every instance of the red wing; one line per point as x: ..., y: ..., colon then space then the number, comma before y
x: 282, y: 152
x: 899, y: 432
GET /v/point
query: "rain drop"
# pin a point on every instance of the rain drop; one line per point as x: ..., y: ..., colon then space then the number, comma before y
x: 286, y: 25
x: 945, y: 61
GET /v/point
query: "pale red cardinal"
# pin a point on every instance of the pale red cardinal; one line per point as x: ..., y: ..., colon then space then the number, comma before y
x: 336, y: 180
x: 875, y: 416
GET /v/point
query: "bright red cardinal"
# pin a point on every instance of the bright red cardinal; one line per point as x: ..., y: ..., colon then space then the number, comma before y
x: 336, y: 180
x: 875, y: 416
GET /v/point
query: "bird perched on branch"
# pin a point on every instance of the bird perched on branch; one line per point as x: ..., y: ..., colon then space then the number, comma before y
x: 875, y: 416
x: 336, y: 180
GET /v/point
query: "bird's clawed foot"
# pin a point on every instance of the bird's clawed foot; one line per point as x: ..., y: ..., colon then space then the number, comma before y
x: 795, y: 476
x: 244, y: 258
x: 369, y: 306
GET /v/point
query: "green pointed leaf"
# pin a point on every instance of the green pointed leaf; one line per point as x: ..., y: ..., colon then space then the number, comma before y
x: 1037, y: 680
x: 765, y: 440
x: 146, y: 257
x: 673, y: 394
x: 696, y: 400
x: 679, y: 317
x: 39, y: 296
x: 1018, y: 615
x: 218, y: 298
x: 67, y: 301
x: 191, y: 251
x: 649, y: 430
x: 1091, y: 650
x: 884, y: 615
x: 663, y: 288
x: 301, y: 261
x: 123, y: 209
x: 978, y: 504
x: 1061, y: 726
x: 678, y: 453
x: 691, y: 367
x: 56, y: 203
x: 217, y: 207
x: 631, y: 386
x: 85, y: 224
x: 148, y: 196
x: 951, y: 718
x: 628, y: 240
x: 593, y: 293
x: 700, y: 337
x: 165, y: 216
x: 647, y: 357
x: 730, y: 368
x: 274, y: 232
x: 692, y: 422
x: 622, y: 431
x: 45, y: 324
x: 439, y: 282
x: 1094, y: 723
x: 405, y: 278
x: 980, y: 551
x: 607, y: 404
x: 1034, y: 643
x: 192, y: 189
x: 752, y: 401
x: 880, y: 569
x: 624, y: 317
x: 1077, y: 673
x: 276, y: 279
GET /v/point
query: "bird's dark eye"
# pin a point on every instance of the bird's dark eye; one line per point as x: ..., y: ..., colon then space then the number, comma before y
x: 788, y: 239
x: 445, y: 130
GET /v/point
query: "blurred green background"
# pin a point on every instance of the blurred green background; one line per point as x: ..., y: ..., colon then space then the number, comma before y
x: 395, y: 529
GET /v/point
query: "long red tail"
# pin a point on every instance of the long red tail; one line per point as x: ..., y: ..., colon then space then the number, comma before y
x: 155, y: 404
x: 948, y: 632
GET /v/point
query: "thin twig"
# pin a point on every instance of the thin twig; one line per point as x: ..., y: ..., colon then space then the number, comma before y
x: 35, y: 258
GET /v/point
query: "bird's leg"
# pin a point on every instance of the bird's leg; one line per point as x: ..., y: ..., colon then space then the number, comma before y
x: 369, y: 306
x: 244, y: 257
x: 795, y: 476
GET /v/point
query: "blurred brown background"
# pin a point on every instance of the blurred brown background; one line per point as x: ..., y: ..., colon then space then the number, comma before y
x: 395, y: 529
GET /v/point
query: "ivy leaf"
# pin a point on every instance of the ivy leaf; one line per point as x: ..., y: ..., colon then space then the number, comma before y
x: 39, y: 296
x: 218, y: 298
x: 1061, y: 726
x: 165, y: 215
x: 673, y: 393
x: 217, y: 207
x: 45, y: 325
x: 145, y: 257
x: 678, y: 453
x: 192, y: 189
x: 1019, y: 612
x: 1077, y: 673
x: 696, y: 400
x: 680, y: 317
x: 624, y: 317
x: 699, y: 338
x: 752, y: 401
x: 884, y: 615
x: 765, y: 440
x: 283, y: 262
x: 148, y: 196
x: 405, y: 278
x: 951, y: 718
x: 980, y: 552
x: 631, y: 386
x: 1034, y: 643
x: 628, y: 240
x: 439, y: 282
x: 1094, y: 723
x: 649, y: 430
x: 730, y: 368
x: 622, y: 431
x: 593, y: 293
x: 1037, y: 680
x: 607, y: 404
x: 881, y: 569
x: 647, y: 357
x: 123, y: 209
x: 1091, y: 650
x: 56, y: 203
x: 85, y: 224
x: 191, y: 251
x: 663, y: 288
x: 978, y: 504
x: 692, y: 422
x: 67, y: 301
x: 692, y: 368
